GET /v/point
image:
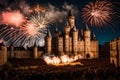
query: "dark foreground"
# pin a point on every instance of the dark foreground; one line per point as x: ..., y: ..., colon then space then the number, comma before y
x: 27, y: 69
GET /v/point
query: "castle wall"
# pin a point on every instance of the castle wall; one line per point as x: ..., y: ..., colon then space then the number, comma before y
x: 87, y: 44
x: 81, y: 48
x: 48, y: 45
x: 22, y: 54
x: 60, y: 46
x: 94, y: 49
x: 75, y: 42
x: 3, y: 55
x: 1, y: 58
x: 66, y: 44
x: 115, y: 52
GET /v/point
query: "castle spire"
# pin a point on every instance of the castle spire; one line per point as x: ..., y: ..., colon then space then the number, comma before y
x: 86, y: 27
x: 48, y: 33
x: 56, y: 29
x: 74, y: 28
x: 94, y: 37
x: 70, y: 13
x: 67, y: 24
x: 71, y: 19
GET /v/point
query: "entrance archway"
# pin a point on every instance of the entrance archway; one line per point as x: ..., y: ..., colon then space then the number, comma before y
x: 87, y: 55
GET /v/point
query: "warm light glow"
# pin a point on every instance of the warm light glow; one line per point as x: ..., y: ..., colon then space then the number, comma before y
x: 31, y: 30
x: 13, y: 18
x: 64, y: 59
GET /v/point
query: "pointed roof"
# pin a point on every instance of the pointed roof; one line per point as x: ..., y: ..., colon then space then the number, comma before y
x: 87, y: 28
x: 94, y: 37
x: 57, y: 32
x: 48, y: 33
x: 74, y: 28
x: 70, y: 13
x: 67, y: 24
x: 56, y: 29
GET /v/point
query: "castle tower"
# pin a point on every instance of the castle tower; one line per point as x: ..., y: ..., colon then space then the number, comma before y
x: 71, y: 19
x: 56, y: 41
x: 48, y: 43
x: 87, y: 42
x: 56, y: 34
x: 35, y: 51
x: 60, y: 46
x: 12, y: 51
x: 4, y: 53
x: 94, y: 44
x: 81, y: 33
x: 66, y: 39
x: 74, y: 40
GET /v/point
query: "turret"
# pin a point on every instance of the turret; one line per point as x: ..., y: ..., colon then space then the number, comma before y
x: 4, y: 54
x: 57, y: 33
x: 60, y: 45
x: 66, y: 39
x: 35, y: 51
x: 71, y: 19
x: 67, y: 28
x: 87, y: 42
x: 86, y: 32
x: 48, y: 43
x: 74, y: 40
x: 94, y: 37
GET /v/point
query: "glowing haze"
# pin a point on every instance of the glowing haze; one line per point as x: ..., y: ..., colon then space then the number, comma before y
x: 26, y: 26
x: 12, y: 18
x: 54, y: 60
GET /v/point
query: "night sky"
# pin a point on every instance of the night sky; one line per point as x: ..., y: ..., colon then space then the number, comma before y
x: 103, y: 33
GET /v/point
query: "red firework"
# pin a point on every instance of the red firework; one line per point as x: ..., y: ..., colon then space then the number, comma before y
x: 13, y: 18
x: 98, y: 13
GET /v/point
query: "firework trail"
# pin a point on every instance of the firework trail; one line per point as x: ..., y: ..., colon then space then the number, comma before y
x: 31, y: 33
x: 24, y: 31
x: 99, y: 13
x: 26, y: 26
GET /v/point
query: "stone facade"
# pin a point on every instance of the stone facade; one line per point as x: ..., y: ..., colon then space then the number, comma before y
x: 18, y: 52
x: 72, y: 41
x: 115, y: 51
x: 3, y: 55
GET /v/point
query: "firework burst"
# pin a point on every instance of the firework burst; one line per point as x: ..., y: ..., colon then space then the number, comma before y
x: 26, y: 26
x: 12, y: 18
x: 98, y: 14
x: 30, y: 33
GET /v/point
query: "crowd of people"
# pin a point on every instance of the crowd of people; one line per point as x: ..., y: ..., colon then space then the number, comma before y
x: 95, y: 69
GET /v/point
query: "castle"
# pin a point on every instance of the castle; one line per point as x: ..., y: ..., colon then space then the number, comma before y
x: 72, y: 41
x: 115, y: 51
x: 69, y: 43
